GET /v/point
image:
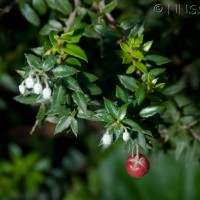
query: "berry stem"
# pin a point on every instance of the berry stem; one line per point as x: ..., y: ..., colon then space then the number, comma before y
x: 137, y: 151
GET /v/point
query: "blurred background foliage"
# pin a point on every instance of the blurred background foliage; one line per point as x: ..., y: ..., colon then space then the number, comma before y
x: 43, y: 166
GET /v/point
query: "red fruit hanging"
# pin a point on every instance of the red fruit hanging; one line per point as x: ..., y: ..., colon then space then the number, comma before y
x: 137, y: 165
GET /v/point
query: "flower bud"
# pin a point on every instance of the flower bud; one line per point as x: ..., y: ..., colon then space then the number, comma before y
x: 37, y: 88
x: 126, y: 136
x: 29, y: 82
x: 107, y: 139
x: 22, y: 88
x: 46, y: 92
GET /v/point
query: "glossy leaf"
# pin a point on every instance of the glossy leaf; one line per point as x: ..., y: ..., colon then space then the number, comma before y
x: 59, y: 96
x: 140, y: 93
x: 75, y: 51
x: 63, y: 124
x: 72, y: 84
x: 128, y: 82
x: 26, y: 99
x: 40, y: 6
x: 146, y: 46
x: 74, y: 126
x: 150, y: 111
x: 33, y: 61
x: 80, y: 100
x: 141, y: 67
x: 121, y: 95
x: 62, y: 6
x: 64, y: 71
x: 122, y: 112
x: 157, y: 71
x: 49, y: 62
x: 111, y: 107
x: 109, y: 7
x: 157, y: 59
x: 73, y: 61
x: 29, y: 14
x: 135, y: 126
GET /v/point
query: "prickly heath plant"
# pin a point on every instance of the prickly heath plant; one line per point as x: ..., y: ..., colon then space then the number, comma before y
x: 98, y: 67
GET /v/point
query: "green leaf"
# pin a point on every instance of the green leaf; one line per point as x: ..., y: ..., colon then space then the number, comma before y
x: 87, y: 77
x: 124, y: 47
x: 59, y: 96
x: 104, y: 116
x: 77, y: 34
x: 52, y: 35
x: 109, y: 7
x: 174, y: 89
x: 40, y: 6
x: 29, y: 14
x: 122, y: 112
x: 146, y: 46
x: 64, y: 71
x: 89, y: 115
x: 140, y: 93
x: 141, y: 140
x: 41, y: 113
x: 137, y: 54
x: 128, y: 82
x: 110, y: 107
x: 75, y: 51
x: 157, y: 71
x: 49, y: 62
x: 52, y: 25
x: 107, y: 32
x: 26, y: 99
x: 121, y: 95
x: 62, y: 6
x: 138, y: 41
x: 92, y: 89
x: 63, y: 124
x: 135, y: 126
x: 130, y: 69
x: 150, y: 111
x: 126, y: 57
x: 74, y: 126
x: 33, y: 61
x: 141, y: 67
x: 73, y: 61
x: 80, y: 100
x: 157, y: 59
x: 138, y: 29
x: 72, y: 84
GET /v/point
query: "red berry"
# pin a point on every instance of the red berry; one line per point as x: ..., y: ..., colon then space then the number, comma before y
x: 137, y: 166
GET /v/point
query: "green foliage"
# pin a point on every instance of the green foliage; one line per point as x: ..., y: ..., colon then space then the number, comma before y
x: 22, y: 173
x: 86, y: 47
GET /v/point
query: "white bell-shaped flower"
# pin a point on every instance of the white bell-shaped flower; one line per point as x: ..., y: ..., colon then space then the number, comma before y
x: 22, y: 88
x: 126, y: 136
x: 37, y: 88
x: 46, y: 93
x: 106, y: 139
x: 29, y: 82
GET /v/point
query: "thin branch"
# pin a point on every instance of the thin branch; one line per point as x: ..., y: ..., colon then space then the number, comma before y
x: 73, y: 14
x: 34, y: 127
x: 8, y: 7
x: 108, y: 15
x: 193, y: 133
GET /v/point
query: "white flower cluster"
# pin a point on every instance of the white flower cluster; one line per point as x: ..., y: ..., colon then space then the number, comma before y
x: 34, y: 84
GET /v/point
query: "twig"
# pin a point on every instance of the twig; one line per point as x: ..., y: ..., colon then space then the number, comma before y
x: 193, y: 133
x: 108, y: 15
x: 73, y: 14
x: 8, y: 7
x: 34, y: 127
